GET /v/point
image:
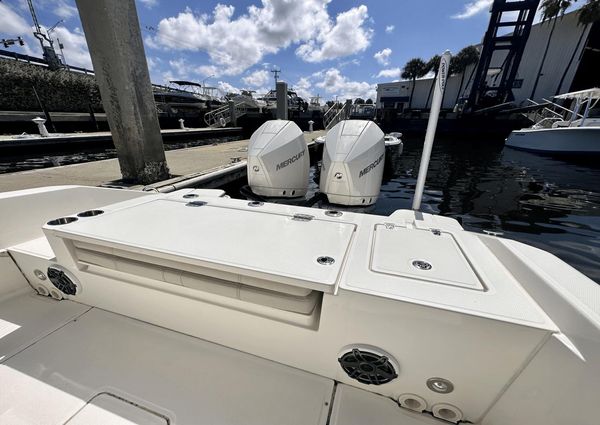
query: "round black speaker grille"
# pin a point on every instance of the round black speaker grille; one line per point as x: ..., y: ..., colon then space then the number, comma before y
x: 367, y: 367
x: 61, y: 281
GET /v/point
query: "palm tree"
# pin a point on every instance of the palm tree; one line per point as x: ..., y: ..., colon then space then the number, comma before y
x: 414, y: 68
x: 463, y: 59
x: 433, y: 64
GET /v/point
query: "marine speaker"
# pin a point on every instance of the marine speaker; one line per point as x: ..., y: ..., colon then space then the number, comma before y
x: 368, y: 366
x: 61, y: 281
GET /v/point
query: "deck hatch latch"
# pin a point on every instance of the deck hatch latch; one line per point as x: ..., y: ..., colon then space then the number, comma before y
x: 302, y: 217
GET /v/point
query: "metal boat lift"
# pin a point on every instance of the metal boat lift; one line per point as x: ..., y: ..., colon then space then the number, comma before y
x: 485, y: 93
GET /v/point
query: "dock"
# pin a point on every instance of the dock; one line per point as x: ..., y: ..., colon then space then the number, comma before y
x: 202, y: 166
x: 62, y: 140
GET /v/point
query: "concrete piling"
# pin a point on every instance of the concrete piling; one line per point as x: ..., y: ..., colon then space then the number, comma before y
x: 112, y: 31
x: 282, y: 100
x: 231, y: 105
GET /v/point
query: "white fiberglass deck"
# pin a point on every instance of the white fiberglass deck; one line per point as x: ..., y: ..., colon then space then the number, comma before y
x: 66, y: 363
x: 184, y: 379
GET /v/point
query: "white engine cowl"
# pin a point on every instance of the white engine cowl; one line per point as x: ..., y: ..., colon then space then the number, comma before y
x: 278, y: 160
x: 353, y: 162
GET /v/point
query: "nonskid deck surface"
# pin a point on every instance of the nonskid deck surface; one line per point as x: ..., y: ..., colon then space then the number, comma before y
x: 174, y: 376
x: 67, y: 363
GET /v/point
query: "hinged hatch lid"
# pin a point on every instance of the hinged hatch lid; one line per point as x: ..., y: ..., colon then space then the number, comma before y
x: 251, y: 241
x: 431, y: 256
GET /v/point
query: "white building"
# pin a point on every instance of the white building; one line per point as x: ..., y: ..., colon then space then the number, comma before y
x: 570, y: 64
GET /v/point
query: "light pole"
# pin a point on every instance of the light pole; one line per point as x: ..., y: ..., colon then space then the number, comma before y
x: 210, y: 76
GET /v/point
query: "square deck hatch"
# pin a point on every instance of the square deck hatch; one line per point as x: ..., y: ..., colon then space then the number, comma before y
x: 429, y: 256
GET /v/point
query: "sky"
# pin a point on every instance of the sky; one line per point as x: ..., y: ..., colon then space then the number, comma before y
x: 328, y: 48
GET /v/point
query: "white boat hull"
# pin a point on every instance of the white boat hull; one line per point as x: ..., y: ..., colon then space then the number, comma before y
x: 565, y: 141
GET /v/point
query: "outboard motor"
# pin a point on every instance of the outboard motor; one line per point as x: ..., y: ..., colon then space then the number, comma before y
x: 278, y: 160
x: 353, y: 162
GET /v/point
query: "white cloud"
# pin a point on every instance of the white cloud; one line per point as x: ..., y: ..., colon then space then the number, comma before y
x: 336, y: 84
x: 235, y: 44
x: 257, y: 78
x: 65, y: 10
x: 225, y: 87
x: 12, y: 23
x: 153, y: 62
x: 383, y: 56
x: 354, y: 62
x: 346, y: 37
x: 149, y: 3
x: 180, y: 69
x: 389, y: 29
x: 389, y: 73
x: 473, y: 8
x: 75, y: 46
x: 208, y: 70
x: 304, y: 88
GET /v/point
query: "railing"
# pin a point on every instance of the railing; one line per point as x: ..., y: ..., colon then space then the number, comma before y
x: 548, y: 113
x: 220, y: 117
x: 547, y: 122
x: 335, y: 114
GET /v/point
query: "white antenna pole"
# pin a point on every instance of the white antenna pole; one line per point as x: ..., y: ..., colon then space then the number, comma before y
x: 436, y: 104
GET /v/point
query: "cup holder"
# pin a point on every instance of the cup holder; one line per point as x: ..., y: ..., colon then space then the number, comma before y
x: 90, y: 213
x: 62, y: 220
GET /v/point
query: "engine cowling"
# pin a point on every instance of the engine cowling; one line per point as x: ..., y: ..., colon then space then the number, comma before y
x: 353, y: 163
x: 278, y: 160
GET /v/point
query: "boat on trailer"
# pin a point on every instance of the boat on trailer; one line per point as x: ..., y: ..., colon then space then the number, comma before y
x: 575, y: 134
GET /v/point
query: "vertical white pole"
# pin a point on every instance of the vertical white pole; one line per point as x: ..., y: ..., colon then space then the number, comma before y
x: 436, y: 104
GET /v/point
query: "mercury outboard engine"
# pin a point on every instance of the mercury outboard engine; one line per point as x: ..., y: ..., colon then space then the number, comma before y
x: 278, y: 160
x: 353, y: 162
